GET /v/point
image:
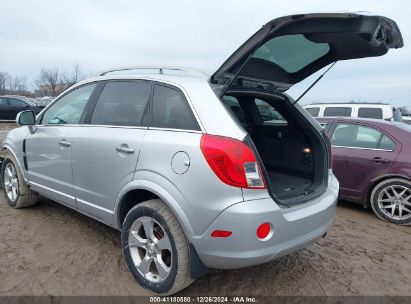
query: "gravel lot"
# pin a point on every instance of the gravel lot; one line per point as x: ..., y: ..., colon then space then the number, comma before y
x: 52, y: 250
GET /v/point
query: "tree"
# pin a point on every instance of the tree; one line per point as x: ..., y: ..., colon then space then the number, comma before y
x: 52, y: 81
x: 49, y: 81
x: 4, y: 81
x: 18, y: 84
x: 68, y: 79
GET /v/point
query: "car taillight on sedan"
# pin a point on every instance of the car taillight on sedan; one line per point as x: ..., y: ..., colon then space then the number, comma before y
x: 232, y: 161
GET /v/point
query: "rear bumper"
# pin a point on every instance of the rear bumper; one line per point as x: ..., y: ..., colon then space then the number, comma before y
x: 294, y: 228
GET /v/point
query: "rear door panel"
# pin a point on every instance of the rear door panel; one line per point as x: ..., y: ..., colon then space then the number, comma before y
x: 99, y: 169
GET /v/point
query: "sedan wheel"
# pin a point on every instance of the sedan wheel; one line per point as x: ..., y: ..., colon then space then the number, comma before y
x: 391, y: 201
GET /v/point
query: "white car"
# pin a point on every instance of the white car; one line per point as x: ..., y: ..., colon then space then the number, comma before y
x: 362, y: 110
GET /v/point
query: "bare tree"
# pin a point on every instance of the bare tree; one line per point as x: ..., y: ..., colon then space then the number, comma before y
x: 18, y: 84
x: 49, y: 81
x: 72, y: 77
x: 4, y: 81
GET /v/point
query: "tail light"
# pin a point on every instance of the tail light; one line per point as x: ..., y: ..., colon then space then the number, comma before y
x: 232, y: 161
x: 330, y: 156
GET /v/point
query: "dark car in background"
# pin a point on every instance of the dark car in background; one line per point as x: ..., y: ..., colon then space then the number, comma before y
x: 10, y: 106
x: 372, y: 161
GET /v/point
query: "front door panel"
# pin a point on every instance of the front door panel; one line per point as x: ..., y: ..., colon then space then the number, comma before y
x: 49, y: 163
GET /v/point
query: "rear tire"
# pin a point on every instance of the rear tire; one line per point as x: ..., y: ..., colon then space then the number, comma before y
x: 17, y: 194
x: 155, y: 248
x: 391, y: 201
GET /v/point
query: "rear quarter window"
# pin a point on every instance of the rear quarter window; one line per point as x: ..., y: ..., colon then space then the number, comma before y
x: 171, y: 110
x: 387, y: 144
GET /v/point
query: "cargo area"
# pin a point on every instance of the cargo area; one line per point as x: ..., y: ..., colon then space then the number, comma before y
x: 293, y: 153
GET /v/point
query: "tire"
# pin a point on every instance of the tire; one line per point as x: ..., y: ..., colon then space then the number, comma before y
x: 146, y: 262
x: 390, y: 198
x: 18, y: 195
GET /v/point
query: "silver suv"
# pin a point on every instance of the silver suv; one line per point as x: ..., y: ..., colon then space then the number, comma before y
x: 197, y: 173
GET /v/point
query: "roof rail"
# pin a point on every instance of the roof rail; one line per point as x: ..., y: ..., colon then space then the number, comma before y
x: 161, y: 70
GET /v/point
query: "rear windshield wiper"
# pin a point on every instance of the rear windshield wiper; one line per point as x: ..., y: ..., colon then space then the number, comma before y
x: 315, y: 82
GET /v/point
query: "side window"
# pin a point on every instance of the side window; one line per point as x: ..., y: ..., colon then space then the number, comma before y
x: 370, y: 113
x: 350, y: 135
x: 69, y: 108
x: 3, y: 102
x: 122, y: 103
x: 337, y: 111
x: 313, y: 111
x: 387, y: 144
x: 269, y: 115
x: 171, y: 110
x: 16, y: 103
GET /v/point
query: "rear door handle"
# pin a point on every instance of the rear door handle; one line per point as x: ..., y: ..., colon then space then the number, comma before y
x: 124, y: 149
x: 64, y: 143
x: 379, y: 160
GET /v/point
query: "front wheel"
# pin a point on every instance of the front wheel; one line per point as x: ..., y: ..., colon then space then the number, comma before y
x: 155, y: 248
x: 391, y: 201
x: 17, y: 194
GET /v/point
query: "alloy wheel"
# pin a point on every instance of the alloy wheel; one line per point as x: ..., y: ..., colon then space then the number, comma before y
x: 11, y: 182
x: 395, y: 202
x: 150, y: 249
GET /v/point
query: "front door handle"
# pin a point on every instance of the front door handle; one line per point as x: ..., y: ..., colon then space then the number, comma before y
x: 64, y: 143
x: 124, y: 149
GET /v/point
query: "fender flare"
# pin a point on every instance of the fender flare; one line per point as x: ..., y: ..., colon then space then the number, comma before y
x: 7, y: 147
x: 163, y: 194
x: 376, y: 181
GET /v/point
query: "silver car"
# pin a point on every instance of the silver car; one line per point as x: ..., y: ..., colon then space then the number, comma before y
x: 197, y: 172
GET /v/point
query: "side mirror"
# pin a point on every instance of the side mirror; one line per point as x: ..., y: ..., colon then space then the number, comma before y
x: 26, y: 118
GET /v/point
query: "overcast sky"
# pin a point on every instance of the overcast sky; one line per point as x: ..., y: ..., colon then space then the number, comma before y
x: 201, y: 34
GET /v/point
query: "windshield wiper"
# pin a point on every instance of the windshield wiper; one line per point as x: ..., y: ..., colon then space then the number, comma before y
x: 315, y: 82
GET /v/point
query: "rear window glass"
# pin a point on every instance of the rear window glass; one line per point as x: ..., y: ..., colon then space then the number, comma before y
x: 370, y: 113
x: 171, y: 110
x: 269, y: 115
x: 313, y: 111
x: 291, y: 52
x: 337, y: 111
